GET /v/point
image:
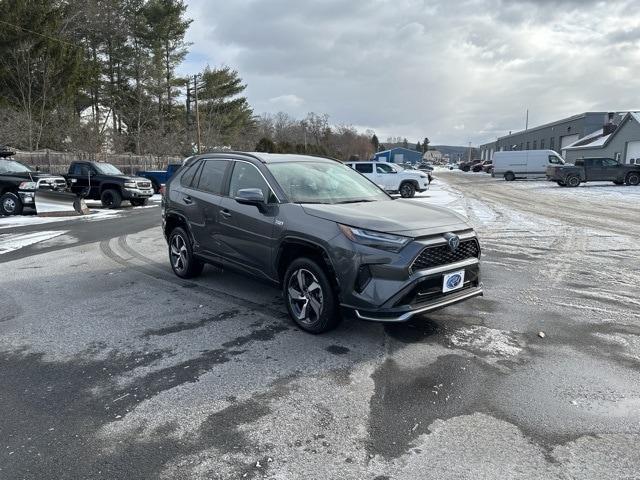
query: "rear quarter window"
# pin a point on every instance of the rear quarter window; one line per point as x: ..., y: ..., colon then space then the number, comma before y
x: 188, y: 177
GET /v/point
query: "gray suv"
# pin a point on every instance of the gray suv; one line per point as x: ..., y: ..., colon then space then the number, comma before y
x: 333, y: 240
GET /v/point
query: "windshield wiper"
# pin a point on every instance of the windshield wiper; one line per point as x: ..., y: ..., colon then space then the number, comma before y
x: 357, y: 201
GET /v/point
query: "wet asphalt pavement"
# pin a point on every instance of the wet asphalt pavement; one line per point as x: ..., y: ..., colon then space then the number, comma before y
x: 112, y: 367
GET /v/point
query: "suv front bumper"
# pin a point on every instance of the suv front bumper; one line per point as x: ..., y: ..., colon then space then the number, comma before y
x: 130, y: 193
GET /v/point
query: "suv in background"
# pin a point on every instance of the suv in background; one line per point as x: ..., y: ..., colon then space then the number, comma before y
x: 393, y: 180
x: 334, y: 241
x: 594, y: 170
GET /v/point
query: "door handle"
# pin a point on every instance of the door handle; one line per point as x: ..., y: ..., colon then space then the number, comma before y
x: 225, y: 213
x: 188, y: 200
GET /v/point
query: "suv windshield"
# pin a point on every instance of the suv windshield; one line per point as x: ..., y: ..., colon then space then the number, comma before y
x: 324, y: 182
x: 10, y: 166
x: 107, y: 169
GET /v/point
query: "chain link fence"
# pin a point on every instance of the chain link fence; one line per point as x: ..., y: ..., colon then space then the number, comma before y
x: 58, y: 162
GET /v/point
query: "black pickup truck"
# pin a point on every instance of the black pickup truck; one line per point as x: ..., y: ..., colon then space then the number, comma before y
x: 594, y: 170
x: 18, y: 185
x: 104, y: 182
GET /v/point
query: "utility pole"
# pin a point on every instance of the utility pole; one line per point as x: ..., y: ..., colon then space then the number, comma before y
x: 195, y: 97
x: 469, y: 152
x: 526, y: 125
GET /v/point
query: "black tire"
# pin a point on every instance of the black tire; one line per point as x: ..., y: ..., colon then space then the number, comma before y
x: 139, y: 202
x: 111, y: 198
x: 181, y: 258
x: 155, y: 186
x: 633, y: 179
x: 407, y: 190
x: 309, y: 296
x: 618, y: 182
x: 562, y: 184
x: 572, y: 181
x: 509, y: 176
x: 10, y: 204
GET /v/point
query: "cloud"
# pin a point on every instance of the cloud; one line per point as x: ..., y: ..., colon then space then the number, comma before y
x: 289, y: 100
x: 416, y: 68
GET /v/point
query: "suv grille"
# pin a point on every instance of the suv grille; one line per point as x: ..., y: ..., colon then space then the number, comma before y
x: 442, y: 255
x: 144, y: 184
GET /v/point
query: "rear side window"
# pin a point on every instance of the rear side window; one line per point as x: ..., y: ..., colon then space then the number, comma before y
x: 364, y: 167
x: 187, y: 179
x: 212, y: 176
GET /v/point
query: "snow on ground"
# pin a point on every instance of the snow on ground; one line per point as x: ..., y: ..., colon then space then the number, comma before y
x: 443, y: 195
x: 96, y: 214
x: 11, y: 242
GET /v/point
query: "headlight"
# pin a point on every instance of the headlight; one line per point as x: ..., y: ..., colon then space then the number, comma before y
x: 130, y: 185
x: 383, y: 241
x: 27, y: 186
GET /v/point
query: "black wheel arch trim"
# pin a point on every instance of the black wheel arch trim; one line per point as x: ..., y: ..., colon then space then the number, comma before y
x: 308, y: 243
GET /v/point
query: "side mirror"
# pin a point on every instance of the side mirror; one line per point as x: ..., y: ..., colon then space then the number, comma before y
x: 250, y: 196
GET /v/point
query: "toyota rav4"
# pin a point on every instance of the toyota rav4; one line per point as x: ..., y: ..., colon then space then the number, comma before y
x: 332, y: 239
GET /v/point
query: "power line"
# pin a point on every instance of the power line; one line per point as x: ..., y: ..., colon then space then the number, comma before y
x: 40, y: 34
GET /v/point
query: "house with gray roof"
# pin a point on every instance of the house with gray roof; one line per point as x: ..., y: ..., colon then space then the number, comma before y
x: 618, y: 141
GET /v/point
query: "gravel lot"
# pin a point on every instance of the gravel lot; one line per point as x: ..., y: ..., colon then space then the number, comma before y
x: 112, y: 367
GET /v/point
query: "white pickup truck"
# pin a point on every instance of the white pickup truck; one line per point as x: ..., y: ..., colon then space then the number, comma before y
x: 392, y: 178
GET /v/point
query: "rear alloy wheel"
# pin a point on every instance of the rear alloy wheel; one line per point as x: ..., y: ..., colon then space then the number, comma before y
x: 633, y: 179
x: 573, y: 181
x: 509, y: 176
x: 10, y: 204
x: 138, y: 202
x: 111, y: 198
x: 183, y: 263
x: 309, y: 297
x: 407, y: 190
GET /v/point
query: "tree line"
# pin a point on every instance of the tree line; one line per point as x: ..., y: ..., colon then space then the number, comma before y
x: 100, y: 75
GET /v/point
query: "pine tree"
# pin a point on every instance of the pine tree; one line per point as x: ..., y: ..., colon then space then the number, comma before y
x: 425, y: 145
x: 375, y: 143
x: 405, y: 143
x: 418, y: 146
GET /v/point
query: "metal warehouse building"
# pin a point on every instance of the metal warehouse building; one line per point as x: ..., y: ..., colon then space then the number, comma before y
x: 551, y: 136
x: 399, y: 155
x: 619, y: 139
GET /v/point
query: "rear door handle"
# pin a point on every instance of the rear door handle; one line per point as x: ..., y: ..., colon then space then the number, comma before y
x: 188, y: 200
x: 225, y: 213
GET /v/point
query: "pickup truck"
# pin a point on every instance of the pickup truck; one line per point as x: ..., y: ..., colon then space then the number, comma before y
x: 159, y: 178
x: 594, y: 170
x: 19, y: 183
x: 104, y: 182
x: 392, y: 178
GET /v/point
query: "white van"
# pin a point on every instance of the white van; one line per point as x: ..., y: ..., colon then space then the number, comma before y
x: 524, y: 163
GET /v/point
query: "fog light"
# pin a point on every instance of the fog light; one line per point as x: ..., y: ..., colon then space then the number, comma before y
x: 363, y: 278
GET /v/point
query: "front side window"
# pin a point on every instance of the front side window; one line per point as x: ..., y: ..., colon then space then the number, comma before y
x: 608, y: 162
x: 384, y: 168
x: 364, y: 167
x: 324, y: 182
x: 246, y: 175
x: 212, y: 176
x: 555, y: 160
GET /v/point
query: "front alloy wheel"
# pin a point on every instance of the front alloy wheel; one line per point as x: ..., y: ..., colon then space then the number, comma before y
x: 305, y: 296
x: 633, y: 179
x: 407, y: 190
x: 309, y: 296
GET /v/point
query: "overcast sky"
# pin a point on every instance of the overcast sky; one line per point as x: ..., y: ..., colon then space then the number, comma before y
x: 455, y: 71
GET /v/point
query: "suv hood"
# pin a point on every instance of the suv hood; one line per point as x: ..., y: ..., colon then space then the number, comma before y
x: 403, y: 217
x: 26, y: 176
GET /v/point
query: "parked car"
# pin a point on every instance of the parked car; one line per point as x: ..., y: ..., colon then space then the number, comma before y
x: 159, y: 178
x: 594, y: 170
x: 480, y: 167
x: 524, y: 163
x: 488, y: 167
x: 104, y: 182
x: 334, y: 241
x: 425, y: 167
x: 19, y: 184
x: 392, y: 178
x: 467, y: 166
